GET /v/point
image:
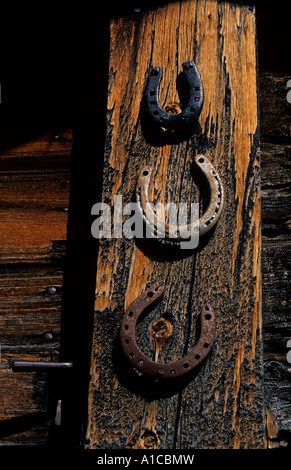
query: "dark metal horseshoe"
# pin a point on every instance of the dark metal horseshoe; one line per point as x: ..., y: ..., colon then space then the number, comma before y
x: 188, y: 117
x: 173, y: 369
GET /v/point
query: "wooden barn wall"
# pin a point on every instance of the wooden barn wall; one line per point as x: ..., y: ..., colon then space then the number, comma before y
x: 46, y: 179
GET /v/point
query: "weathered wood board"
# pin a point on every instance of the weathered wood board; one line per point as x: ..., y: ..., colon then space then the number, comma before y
x: 276, y: 213
x: 34, y: 186
x: 221, y: 405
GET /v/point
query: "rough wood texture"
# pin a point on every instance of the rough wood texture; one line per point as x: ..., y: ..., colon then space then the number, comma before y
x: 221, y: 405
x: 276, y: 215
x: 31, y: 275
x: 34, y: 182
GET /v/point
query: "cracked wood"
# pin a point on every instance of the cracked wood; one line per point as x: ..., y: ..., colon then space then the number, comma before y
x: 221, y: 405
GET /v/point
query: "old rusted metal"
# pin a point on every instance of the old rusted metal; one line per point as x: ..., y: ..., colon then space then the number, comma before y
x: 173, y: 369
x: 185, y: 232
x: 35, y: 366
x: 189, y: 116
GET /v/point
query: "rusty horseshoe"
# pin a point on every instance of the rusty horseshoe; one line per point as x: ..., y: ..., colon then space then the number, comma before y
x: 172, y: 369
x: 170, y: 233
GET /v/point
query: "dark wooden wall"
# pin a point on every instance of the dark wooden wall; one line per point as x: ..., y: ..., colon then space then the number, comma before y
x: 275, y: 158
x: 50, y: 108
x: 275, y: 133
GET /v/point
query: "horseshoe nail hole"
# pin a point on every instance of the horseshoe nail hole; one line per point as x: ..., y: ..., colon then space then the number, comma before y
x: 186, y: 365
x: 197, y: 356
x: 208, y: 316
x: 145, y: 172
x: 152, y: 102
x: 126, y: 341
x: 154, y: 72
x: 156, y: 113
x: 205, y: 345
x: 196, y: 99
x: 192, y: 109
x: 130, y: 314
x: 131, y: 355
x: 150, y: 294
x: 157, y: 288
x: 152, y: 93
x: 201, y: 160
x: 172, y: 371
x: 126, y: 327
x: 197, y: 88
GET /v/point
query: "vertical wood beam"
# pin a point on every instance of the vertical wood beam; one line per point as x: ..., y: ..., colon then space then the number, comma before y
x: 221, y: 404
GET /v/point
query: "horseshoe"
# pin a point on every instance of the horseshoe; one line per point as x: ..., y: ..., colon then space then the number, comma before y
x: 172, y: 369
x: 190, y: 114
x: 184, y: 232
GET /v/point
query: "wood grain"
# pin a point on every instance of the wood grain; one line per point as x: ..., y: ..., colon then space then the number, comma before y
x: 221, y: 405
x: 276, y: 215
x: 34, y: 185
x: 34, y: 163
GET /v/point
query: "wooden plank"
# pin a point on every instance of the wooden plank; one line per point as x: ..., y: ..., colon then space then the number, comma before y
x: 276, y: 242
x: 222, y: 404
x: 34, y: 186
